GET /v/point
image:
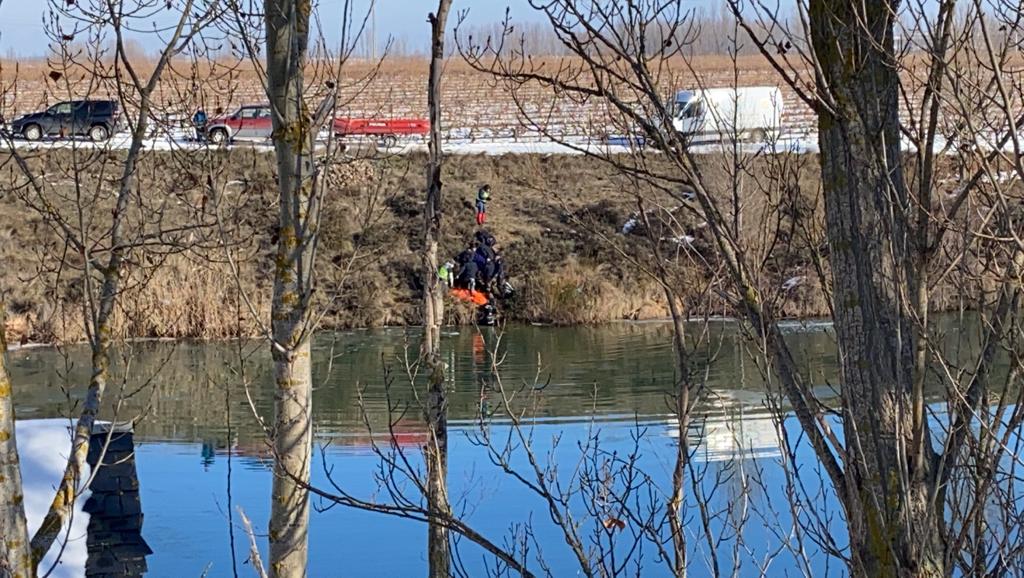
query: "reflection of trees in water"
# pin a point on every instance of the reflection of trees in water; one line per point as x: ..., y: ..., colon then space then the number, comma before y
x: 622, y: 368
x: 116, y: 548
x: 618, y: 370
x: 625, y: 370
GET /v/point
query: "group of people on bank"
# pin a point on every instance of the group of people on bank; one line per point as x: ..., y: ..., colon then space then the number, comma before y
x: 479, y: 267
x: 477, y: 274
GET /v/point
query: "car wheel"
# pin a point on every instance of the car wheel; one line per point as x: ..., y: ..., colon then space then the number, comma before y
x: 219, y: 136
x: 389, y: 141
x: 99, y: 133
x: 32, y: 132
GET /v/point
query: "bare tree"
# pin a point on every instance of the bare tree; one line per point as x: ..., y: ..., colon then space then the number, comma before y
x: 911, y: 63
x: 103, y: 257
x: 436, y: 453
x: 305, y: 169
x: 885, y: 236
x: 16, y: 559
x: 887, y: 486
x: 612, y: 482
x: 287, y: 39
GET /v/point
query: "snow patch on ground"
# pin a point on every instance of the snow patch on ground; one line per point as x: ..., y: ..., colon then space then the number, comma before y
x: 457, y: 146
x: 466, y: 142
x: 43, y: 446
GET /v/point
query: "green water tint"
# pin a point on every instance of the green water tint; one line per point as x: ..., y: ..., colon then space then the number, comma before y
x: 614, y: 371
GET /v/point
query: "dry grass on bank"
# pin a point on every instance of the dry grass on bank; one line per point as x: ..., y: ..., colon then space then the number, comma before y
x: 553, y: 216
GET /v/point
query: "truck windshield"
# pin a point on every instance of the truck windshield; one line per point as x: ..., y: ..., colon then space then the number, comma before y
x: 692, y: 109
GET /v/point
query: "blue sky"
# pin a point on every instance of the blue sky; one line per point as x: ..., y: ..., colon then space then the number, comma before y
x: 21, y: 21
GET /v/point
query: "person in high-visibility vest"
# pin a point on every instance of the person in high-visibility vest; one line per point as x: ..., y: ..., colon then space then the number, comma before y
x: 447, y: 274
x: 482, y: 197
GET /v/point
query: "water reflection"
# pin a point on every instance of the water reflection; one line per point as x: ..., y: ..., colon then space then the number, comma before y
x: 742, y: 429
x: 619, y: 370
x: 199, y: 425
x: 116, y: 548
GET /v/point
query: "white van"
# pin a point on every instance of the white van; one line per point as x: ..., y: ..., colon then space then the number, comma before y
x: 745, y: 113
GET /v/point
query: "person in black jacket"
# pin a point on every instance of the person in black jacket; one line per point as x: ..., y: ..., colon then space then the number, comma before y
x: 486, y: 260
x: 468, y: 270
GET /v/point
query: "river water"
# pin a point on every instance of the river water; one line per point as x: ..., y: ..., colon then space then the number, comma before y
x: 201, y: 453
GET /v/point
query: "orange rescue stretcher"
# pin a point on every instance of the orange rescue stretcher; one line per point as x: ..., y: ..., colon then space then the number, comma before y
x: 474, y: 296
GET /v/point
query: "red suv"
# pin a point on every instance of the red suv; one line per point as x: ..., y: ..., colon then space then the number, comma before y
x: 251, y: 121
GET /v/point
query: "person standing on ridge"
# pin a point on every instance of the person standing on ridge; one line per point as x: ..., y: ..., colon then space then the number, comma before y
x: 482, y: 197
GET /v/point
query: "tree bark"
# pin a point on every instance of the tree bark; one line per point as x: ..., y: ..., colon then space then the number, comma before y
x: 682, y: 393
x: 99, y: 326
x: 436, y: 451
x: 894, y: 530
x: 289, y: 516
x: 16, y: 558
x: 676, y: 502
x: 287, y: 23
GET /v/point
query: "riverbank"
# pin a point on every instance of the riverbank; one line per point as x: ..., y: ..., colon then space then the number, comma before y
x: 559, y: 220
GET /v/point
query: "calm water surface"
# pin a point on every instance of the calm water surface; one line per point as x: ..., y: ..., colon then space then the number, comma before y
x: 613, y: 381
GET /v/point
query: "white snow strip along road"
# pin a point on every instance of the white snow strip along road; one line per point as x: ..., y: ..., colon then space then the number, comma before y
x: 792, y: 142
x: 497, y: 146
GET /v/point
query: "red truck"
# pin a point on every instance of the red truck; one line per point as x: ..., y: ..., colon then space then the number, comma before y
x: 252, y: 121
x: 248, y: 121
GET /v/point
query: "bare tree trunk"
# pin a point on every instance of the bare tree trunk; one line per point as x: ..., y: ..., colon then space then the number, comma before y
x: 894, y: 528
x: 289, y: 518
x: 287, y: 24
x: 674, y: 507
x: 60, y: 511
x: 99, y: 327
x: 16, y: 559
x: 682, y: 394
x: 436, y: 453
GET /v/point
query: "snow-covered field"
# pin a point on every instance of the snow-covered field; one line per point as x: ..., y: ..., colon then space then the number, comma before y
x: 43, y: 446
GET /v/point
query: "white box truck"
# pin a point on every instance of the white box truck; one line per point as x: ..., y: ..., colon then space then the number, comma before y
x: 751, y: 113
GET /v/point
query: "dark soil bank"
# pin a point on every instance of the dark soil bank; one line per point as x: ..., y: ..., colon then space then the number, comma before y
x: 204, y: 226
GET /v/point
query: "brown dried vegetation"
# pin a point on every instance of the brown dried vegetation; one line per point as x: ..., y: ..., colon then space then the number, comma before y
x: 552, y: 215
